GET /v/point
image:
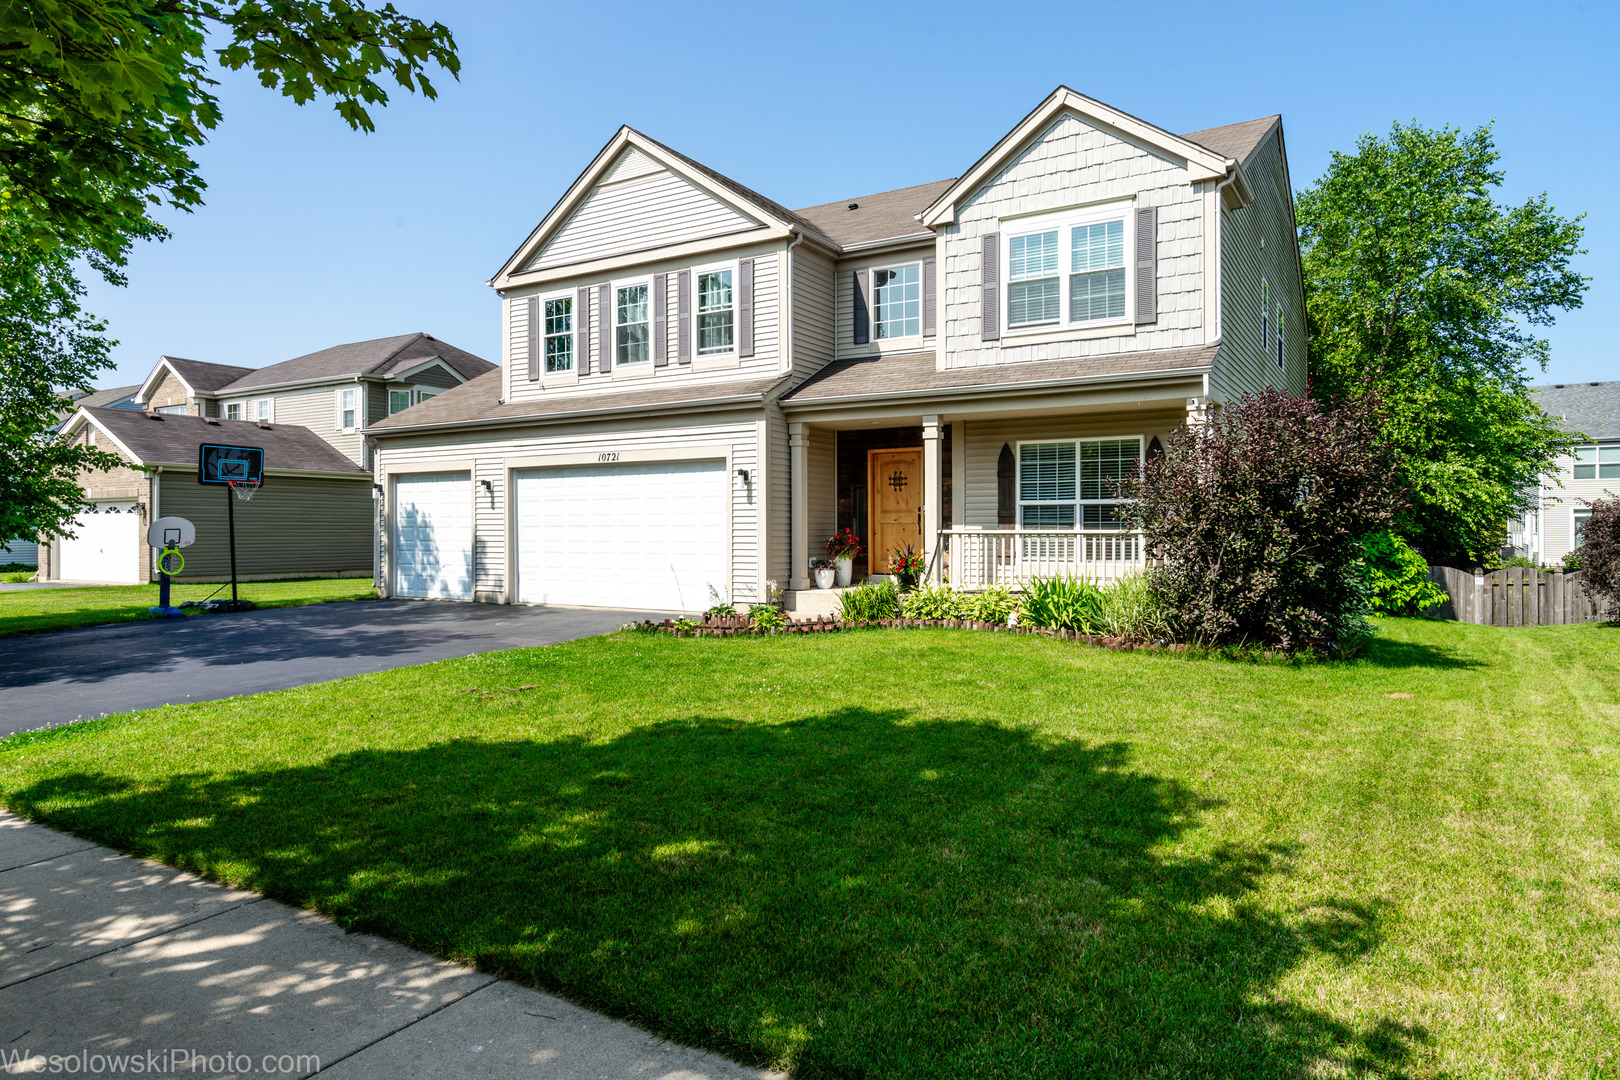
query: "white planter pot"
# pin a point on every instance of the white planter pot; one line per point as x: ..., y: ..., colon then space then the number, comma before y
x: 824, y: 578
x: 846, y: 567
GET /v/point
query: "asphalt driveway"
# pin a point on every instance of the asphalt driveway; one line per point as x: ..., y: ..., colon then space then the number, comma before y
x: 48, y: 679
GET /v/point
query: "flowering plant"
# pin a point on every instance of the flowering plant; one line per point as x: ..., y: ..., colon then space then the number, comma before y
x: 906, y: 560
x: 843, y: 544
x: 822, y: 564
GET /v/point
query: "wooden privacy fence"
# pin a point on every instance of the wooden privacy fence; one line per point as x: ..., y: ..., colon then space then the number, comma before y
x: 1513, y: 596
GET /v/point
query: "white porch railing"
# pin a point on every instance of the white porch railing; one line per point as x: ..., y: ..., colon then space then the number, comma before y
x: 980, y: 558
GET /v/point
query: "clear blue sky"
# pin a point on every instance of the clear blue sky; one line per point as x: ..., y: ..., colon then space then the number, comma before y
x: 314, y: 235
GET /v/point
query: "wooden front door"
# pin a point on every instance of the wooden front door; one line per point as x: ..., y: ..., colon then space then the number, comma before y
x: 894, y: 482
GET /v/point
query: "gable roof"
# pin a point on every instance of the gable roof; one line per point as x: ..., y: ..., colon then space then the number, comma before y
x: 380, y: 356
x: 1202, y: 162
x: 1591, y: 409
x: 198, y: 376
x: 106, y: 398
x: 868, y: 219
x: 719, y: 186
x: 1236, y: 141
x: 173, y: 439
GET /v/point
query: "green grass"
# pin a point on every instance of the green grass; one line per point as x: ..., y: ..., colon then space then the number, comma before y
x: 29, y: 611
x: 944, y: 854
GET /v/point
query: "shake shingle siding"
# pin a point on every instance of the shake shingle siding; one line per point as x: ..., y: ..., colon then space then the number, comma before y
x: 1069, y: 165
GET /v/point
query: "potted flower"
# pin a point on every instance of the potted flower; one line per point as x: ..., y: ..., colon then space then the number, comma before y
x: 825, y: 571
x: 907, y: 564
x: 842, y: 547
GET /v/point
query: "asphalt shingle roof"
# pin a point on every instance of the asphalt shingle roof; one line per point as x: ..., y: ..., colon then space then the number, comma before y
x: 382, y: 356
x: 173, y: 439
x: 915, y: 373
x: 1588, y: 408
x: 1236, y: 141
x: 104, y: 398
x: 882, y: 216
x: 204, y: 377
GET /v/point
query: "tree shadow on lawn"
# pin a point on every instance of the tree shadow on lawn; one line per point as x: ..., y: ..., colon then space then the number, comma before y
x: 854, y: 894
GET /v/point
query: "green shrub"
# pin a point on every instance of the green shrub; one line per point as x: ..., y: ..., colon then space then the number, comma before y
x: 994, y: 605
x: 1133, y: 610
x: 767, y: 617
x: 869, y: 603
x: 1398, y: 577
x: 721, y: 611
x: 1063, y: 603
x: 932, y: 602
x: 683, y: 625
x: 18, y: 577
x: 1572, y: 561
x: 1520, y: 561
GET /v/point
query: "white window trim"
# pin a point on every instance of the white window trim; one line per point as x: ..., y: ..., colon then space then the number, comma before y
x: 697, y: 352
x: 1575, y: 513
x: 348, y: 429
x: 1280, y: 351
x: 1265, y: 316
x: 229, y: 405
x: 1597, y: 461
x: 540, y: 335
x: 871, y: 277
x: 612, y: 321
x: 1018, y: 476
x: 269, y: 412
x: 1063, y: 221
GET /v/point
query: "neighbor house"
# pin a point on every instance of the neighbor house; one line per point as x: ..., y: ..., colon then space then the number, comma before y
x: 1591, y: 412
x: 306, y: 413
x: 701, y: 385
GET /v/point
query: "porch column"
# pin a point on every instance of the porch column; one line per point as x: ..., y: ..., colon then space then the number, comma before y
x: 933, y: 492
x: 798, y: 501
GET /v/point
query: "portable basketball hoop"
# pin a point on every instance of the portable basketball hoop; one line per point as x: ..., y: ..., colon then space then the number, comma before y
x: 241, y: 470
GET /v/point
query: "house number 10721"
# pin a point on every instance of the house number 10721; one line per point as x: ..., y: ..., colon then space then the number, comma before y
x: 611, y: 455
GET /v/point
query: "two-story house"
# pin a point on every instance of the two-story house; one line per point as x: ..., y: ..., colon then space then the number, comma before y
x: 701, y: 385
x: 1591, y: 412
x: 315, y: 515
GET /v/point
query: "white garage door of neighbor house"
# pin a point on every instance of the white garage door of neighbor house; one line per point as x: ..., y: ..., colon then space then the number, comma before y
x: 641, y: 535
x: 433, y: 535
x: 106, y: 546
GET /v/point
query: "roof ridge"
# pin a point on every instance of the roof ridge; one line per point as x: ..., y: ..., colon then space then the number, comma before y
x: 414, y: 338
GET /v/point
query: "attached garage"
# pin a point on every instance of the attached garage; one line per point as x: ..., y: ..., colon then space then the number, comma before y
x: 106, y: 546
x: 432, y: 535
x: 642, y: 535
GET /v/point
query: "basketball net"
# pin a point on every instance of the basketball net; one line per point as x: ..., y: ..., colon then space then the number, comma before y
x: 243, y: 489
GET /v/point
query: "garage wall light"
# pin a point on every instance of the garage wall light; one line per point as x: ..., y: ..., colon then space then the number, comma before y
x: 742, y: 474
x: 487, y: 485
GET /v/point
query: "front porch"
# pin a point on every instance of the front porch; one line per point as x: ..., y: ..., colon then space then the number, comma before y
x: 992, y: 495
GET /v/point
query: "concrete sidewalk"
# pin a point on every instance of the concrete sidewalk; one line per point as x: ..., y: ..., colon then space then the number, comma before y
x: 113, y: 958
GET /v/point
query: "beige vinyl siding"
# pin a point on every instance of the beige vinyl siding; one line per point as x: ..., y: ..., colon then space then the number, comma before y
x: 317, y: 410
x: 168, y: 390
x: 1072, y: 164
x: 294, y: 527
x: 777, y: 482
x: 844, y: 333
x: 763, y: 363
x: 488, y: 456
x: 640, y: 214
x: 1247, y: 364
x: 629, y: 165
x: 822, y: 477
x: 814, y: 341
x: 985, y: 438
x: 1562, y: 495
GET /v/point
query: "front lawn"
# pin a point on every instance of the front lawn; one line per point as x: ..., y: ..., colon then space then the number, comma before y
x: 27, y: 611
x: 935, y: 853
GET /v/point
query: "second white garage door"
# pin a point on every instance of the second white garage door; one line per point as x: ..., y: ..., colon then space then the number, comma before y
x: 643, y: 535
x: 106, y: 546
x: 433, y: 535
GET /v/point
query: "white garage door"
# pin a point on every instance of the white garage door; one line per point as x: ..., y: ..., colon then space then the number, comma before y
x: 433, y: 535
x: 644, y: 535
x: 106, y: 546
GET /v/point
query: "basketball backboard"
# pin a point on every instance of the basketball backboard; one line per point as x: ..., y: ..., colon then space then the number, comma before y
x: 225, y: 464
x: 167, y: 532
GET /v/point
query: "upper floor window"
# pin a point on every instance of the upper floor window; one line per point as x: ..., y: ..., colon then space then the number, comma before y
x: 715, y: 315
x: 261, y: 410
x: 1279, y: 338
x: 1265, y: 314
x: 347, y: 413
x: 897, y: 301
x: 1098, y: 286
x: 631, y: 325
x: 398, y: 401
x: 1597, y: 462
x: 1072, y: 484
x: 233, y: 411
x: 172, y: 410
x: 559, y: 334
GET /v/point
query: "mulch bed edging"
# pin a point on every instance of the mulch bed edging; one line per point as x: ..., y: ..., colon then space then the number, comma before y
x: 743, y: 626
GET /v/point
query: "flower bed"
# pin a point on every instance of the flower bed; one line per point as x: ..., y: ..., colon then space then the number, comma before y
x: 742, y: 626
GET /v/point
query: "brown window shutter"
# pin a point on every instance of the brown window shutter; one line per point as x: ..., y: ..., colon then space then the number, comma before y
x: 536, y: 342
x: 683, y: 315
x: 745, y: 307
x: 660, y: 287
x: 928, y: 297
x: 582, y: 332
x: 863, y: 318
x: 604, y: 328
x: 990, y: 282
x: 1006, y: 492
x: 1147, y: 265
